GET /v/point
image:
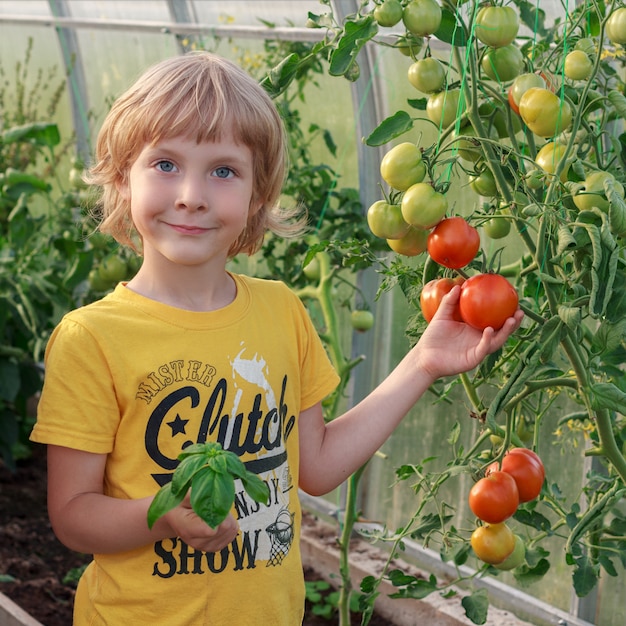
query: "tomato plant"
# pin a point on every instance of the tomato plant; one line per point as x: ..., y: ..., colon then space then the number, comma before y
x: 423, y: 206
x: 494, y: 498
x: 493, y: 543
x: 564, y: 261
x: 496, y: 26
x: 453, y: 243
x: 402, y: 166
x: 432, y: 293
x: 385, y: 220
x: 487, y: 300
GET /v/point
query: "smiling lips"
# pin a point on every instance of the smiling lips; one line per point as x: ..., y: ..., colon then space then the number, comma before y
x: 188, y: 230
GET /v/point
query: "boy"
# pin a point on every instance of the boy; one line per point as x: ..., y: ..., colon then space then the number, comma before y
x: 191, y: 161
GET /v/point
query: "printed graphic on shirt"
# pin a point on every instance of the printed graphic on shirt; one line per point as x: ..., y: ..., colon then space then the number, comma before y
x: 191, y: 402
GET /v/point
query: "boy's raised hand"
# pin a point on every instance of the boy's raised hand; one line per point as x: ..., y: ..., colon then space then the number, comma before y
x: 448, y: 347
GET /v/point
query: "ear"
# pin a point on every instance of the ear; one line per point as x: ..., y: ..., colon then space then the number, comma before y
x: 255, y: 207
x: 123, y: 188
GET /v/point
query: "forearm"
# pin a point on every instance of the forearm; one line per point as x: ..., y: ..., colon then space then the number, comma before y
x: 334, y: 451
x: 93, y: 523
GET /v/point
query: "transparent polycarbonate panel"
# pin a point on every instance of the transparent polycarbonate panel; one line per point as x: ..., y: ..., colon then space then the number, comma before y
x: 253, y: 12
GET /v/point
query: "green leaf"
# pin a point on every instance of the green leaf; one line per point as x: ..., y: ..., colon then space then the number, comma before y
x: 9, y: 380
x: 164, y: 501
x: 476, y: 606
x: 356, y: 34
x: 585, y: 576
x: 212, y: 496
x: 618, y: 101
x: 416, y: 589
x: 281, y: 76
x: 256, y: 488
x: 608, y: 396
x: 42, y: 134
x: 390, y: 128
x: 187, y: 468
x: 450, y: 30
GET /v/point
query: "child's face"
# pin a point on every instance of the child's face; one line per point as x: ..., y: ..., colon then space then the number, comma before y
x: 189, y: 201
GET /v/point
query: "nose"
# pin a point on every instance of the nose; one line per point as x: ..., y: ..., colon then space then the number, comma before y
x: 192, y: 195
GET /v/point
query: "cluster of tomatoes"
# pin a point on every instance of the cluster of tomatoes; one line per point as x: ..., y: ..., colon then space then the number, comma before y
x: 418, y: 222
x: 495, y: 498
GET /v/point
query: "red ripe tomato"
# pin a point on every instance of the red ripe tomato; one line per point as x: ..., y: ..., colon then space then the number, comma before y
x: 487, y: 300
x: 494, y: 498
x: 433, y: 292
x: 453, y: 243
x: 527, y: 471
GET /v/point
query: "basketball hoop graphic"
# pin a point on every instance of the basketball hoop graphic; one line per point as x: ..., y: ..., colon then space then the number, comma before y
x: 281, y: 537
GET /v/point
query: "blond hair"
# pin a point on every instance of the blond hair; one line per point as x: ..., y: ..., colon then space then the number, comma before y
x: 195, y: 95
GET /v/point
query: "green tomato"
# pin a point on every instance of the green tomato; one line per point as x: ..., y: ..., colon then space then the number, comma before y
x: 388, y: 12
x: 503, y: 64
x: 385, y: 220
x: 577, y: 65
x: 497, y: 227
x: 402, y: 166
x: 484, y: 184
x: 113, y: 269
x: 423, y: 207
x: 593, y: 195
x: 534, y: 179
x: 96, y: 282
x: 549, y: 158
x: 427, y: 75
x: 312, y: 270
x: 422, y: 17
x: 412, y: 244
x: 361, y: 320
x: 409, y: 45
x: 442, y: 108
x: 496, y: 117
x: 496, y: 26
x: 615, y: 28
x: 521, y: 85
x: 587, y: 45
x: 544, y: 112
x: 468, y: 146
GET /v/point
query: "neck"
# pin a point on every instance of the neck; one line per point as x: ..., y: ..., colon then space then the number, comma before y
x: 190, y: 289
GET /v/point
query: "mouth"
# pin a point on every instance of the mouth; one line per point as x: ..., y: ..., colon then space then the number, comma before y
x: 187, y: 229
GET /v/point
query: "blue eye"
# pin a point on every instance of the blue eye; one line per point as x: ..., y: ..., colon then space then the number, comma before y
x: 223, y: 172
x: 165, y: 166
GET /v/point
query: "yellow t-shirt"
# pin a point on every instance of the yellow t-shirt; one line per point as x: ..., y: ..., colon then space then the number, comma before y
x: 139, y: 381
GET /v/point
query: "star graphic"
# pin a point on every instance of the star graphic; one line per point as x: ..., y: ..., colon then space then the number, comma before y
x: 177, y: 425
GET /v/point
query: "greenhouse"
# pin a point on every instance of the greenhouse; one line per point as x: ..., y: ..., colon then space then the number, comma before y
x: 321, y: 301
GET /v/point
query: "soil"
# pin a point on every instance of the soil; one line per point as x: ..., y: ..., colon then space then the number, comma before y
x: 38, y: 573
